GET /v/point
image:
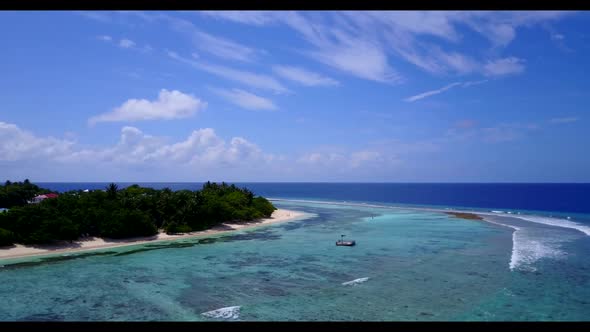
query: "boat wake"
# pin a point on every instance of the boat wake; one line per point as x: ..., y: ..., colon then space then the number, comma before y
x: 355, y: 281
x: 224, y: 313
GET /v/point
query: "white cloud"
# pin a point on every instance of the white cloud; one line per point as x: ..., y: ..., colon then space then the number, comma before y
x: 18, y: 144
x: 245, y: 77
x: 246, y: 99
x: 105, y: 38
x: 126, y: 43
x: 169, y: 105
x: 443, y: 89
x: 557, y: 36
x: 564, y: 120
x: 202, y: 155
x: 147, y: 49
x: 505, y: 66
x: 303, y: 76
x: 201, y: 149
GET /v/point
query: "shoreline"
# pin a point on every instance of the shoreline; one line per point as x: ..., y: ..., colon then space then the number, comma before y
x: 93, y: 243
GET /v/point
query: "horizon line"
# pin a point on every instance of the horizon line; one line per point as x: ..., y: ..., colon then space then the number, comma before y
x: 313, y: 182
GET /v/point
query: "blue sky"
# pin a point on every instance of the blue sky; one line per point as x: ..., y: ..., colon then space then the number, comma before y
x: 295, y: 96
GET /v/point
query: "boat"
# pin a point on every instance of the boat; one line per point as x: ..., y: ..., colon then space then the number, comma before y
x: 341, y: 242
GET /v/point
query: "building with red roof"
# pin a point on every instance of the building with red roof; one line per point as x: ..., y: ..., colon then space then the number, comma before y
x: 39, y: 198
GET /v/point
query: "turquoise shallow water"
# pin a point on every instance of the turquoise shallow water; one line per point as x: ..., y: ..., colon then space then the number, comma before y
x: 419, y: 265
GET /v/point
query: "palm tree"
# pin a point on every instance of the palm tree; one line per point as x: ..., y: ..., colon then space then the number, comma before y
x: 112, y: 190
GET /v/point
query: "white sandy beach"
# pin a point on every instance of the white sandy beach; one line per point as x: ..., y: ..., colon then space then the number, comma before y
x: 92, y: 243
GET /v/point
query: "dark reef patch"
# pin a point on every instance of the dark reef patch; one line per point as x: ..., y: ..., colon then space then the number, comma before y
x: 56, y: 259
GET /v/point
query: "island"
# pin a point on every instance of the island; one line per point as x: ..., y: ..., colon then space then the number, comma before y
x: 465, y: 215
x: 40, y: 219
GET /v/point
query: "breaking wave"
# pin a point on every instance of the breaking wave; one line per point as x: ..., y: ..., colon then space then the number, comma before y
x: 355, y: 281
x: 224, y: 313
x: 528, y: 247
x: 557, y: 222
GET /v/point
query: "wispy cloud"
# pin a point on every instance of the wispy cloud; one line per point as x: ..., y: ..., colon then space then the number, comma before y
x: 126, y: 43
x: 505, y: 66
x: 205, y: 42
x: 252, y: 17
x: 507, y: 132
x: 169, y: 105
x: 564, y: 120
x: 443, y: 89
x: 358, y: 57
x: 96, y: 16
x: 303, y: 76
x: 246, y: 99
x: 557, y: 38
x: 223, y: 48
x: 491, y: 133
x: 245, y: 77
x: 105, y: 38
x: 432, y: 92
x: 360, y: 43
x: 472, y: 83
x: 335, y: 46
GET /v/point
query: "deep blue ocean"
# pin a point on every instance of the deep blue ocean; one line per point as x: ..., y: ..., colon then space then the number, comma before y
x: 558, y: 197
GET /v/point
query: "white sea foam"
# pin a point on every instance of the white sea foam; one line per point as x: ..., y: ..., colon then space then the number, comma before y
x: 355, y: 281
x: 528, y: 248
x: 224, y: 313
x: 496, y: 211
x: 557, y: 222
x: 515, y: 257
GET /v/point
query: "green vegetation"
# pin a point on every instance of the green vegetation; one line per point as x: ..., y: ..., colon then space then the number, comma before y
x: 18, y: 193
x: 6, y: 238
x: 123, y: 213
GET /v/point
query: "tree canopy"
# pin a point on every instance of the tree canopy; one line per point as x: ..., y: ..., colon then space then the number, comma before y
x: 18, y: 193
x: 123, y: 213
